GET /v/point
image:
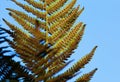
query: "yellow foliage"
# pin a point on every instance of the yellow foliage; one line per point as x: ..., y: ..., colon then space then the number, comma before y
x: 47, y: 40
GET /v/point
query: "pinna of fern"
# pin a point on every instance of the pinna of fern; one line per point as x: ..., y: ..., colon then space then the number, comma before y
x: 47, y: 39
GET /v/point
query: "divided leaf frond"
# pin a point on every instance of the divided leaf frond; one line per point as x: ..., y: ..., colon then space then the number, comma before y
x: 86, y: 77
x: 76, y: 67
x: 46, y: 39
x: 83, y: 61
x: 32, y: 10
x: 61, y: 13
x: 36, y: 4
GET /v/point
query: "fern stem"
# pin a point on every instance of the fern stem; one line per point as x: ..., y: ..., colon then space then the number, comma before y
x: 46, y: 23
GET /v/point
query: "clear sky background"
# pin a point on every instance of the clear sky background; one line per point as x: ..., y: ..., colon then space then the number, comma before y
x: 103, y: 29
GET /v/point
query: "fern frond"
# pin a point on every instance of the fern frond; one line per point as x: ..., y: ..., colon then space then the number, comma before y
x: 47, y: 38
x: 52, y: 72
x: 62, y: 12
x: 45, y: 60
x: 15, y: 28
x: 80, y: 64
x: 86, y: 77
x: 55, y: 5
x: 36, y: 4
x: 30, y: 19
x: 62, y: 42
x: 59, y: 24
x: 38, y: 14
x: 66, y: 52
x: 28, y: 26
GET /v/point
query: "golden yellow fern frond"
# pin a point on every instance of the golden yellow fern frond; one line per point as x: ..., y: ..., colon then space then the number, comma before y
x: 52, y: 72
x: 68, y: 47
x: 43, y: 61
x: 67, y: 50
x: 65, y: 26
x: 16, y: 29
x: 80, y: 64
x: 27, y: 26
x: 62, y: 42
x: 48, y: 37
x: 71, y: 72
x: 62, y: 12
x: 56, y: 5
x: 30, y: 19
x: 38, y: 5
x: 58, y: 25
x: 86, y: 77
x: 38, y: 14
x: 58, y: 31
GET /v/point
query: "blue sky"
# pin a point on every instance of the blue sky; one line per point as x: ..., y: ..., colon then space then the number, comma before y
x: 103, y: 29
